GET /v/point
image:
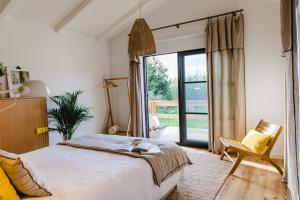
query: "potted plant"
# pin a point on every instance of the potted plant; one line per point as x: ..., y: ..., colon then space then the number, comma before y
x: 2, y: 70
x: 68, y: 114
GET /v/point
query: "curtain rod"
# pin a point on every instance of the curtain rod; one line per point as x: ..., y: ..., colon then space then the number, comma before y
x: 197, y: 20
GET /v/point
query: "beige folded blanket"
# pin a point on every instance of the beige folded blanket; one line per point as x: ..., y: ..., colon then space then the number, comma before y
x: 171, y: 159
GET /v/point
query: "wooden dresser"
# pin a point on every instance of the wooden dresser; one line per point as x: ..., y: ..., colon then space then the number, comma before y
x: 23, y: 127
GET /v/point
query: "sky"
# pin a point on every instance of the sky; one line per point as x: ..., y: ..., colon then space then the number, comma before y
x: 193, y: 64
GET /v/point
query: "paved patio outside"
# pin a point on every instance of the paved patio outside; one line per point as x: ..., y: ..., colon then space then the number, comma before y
x: 172, y: 134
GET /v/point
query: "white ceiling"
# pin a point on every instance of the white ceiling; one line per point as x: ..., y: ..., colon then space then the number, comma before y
x: 47, y: 12
x: 97, y: 18
x: 106, y: 18
x: 98, y: 15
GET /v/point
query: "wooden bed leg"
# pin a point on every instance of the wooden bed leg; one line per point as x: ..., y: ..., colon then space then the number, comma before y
x: 236, y: 164
x: 223, y: 153
x: 269, y: 160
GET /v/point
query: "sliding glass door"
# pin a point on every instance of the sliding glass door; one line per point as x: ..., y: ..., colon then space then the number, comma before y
x: 162, y: 97
x: 194, y: 97
x: 177, y: 103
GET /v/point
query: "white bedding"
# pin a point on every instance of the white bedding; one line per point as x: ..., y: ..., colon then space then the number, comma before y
x: 78, y: 174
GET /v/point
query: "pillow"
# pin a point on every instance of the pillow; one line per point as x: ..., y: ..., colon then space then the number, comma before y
x: 7, y: 191
x: 256, y: 141
x: 21, y: 175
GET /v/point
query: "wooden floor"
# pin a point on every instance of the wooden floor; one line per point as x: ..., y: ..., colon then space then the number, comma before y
x: 254, y: 181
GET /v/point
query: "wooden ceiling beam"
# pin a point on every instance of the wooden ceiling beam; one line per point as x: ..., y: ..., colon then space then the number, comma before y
x: 68, y: 18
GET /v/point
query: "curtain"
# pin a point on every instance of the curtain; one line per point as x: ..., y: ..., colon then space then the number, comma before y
x: 137, y: 105
x: 141, y: 42
x: 226, y: 79
x: 291, y: 160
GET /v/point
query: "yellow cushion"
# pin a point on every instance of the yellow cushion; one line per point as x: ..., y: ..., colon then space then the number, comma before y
x: 256, y: 141
x: 22, y: 176
x: 7, y: 191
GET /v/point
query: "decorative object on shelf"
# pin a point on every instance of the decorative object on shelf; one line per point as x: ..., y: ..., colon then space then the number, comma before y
x: 141, y: 40
x: 3, y: 81
x: 109, y: 121
x: 34, y: 88
x: 16, y: 77
x: 68, y: 114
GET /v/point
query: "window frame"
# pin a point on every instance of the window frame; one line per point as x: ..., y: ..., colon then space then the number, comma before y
x: 181, y: 97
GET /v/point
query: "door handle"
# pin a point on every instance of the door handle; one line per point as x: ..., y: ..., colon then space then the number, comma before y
x: 41, y: 130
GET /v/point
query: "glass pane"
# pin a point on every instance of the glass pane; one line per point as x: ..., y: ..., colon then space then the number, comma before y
x: 196, y: 97
x: 162, y: 81
x: 195, y: 68
x: 197, y: 127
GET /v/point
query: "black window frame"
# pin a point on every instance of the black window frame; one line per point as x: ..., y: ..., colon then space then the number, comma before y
x: 181, y: 98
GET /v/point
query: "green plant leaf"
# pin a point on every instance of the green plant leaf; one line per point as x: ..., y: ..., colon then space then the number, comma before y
x: 67, y: 115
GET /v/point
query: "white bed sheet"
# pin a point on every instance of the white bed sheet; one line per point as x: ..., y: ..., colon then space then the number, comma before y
x: 78, y: 174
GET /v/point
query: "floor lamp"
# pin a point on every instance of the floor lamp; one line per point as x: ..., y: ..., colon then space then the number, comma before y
x: 107, y: 85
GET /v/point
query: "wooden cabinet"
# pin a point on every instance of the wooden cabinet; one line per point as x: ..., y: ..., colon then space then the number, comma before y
x: 19, y: 125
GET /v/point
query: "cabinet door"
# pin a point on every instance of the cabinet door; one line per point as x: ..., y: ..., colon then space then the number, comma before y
x: 37, y: 118
x: 18, y: 125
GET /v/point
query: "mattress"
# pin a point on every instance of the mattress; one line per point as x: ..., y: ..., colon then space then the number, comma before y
x: 77, y: 174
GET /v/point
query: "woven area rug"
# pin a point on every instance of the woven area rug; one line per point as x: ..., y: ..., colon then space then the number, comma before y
x: 203, y: 179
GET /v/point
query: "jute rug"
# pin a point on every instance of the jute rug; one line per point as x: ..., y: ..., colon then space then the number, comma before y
x: 203, y: 179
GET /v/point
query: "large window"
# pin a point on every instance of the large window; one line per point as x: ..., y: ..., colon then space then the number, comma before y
x: 163, y: 102
x: 177, y: 103
x: 194, y: 97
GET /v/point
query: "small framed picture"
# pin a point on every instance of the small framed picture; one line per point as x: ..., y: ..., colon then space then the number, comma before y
x: 3, y: 81
x: 16, y: 77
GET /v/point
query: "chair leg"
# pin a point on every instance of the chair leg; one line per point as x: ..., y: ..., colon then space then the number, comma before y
x: 223, y: 153
x: 236, y: 164
x: 274, y: 165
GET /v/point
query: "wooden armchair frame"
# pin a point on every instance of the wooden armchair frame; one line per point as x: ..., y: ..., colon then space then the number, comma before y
x: 236, y: 146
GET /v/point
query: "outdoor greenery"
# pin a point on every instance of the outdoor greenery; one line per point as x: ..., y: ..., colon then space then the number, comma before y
x: 167, y: 110
x: 68, y: 114
x: 158, y: 80
x: 190, y: 123
x: 162, y: 87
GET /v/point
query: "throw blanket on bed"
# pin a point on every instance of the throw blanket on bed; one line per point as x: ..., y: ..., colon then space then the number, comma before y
x: 170, y: 160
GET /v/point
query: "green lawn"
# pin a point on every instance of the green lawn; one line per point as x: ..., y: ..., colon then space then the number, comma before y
x: 190, y: 123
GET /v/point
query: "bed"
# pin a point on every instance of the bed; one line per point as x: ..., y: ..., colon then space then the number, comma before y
x: 77, y: 174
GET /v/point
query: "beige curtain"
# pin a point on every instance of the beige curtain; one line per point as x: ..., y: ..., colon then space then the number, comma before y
x: 291, y: 161
x: 137, y: 107
x: 226, y: 79
x: 141, y: 42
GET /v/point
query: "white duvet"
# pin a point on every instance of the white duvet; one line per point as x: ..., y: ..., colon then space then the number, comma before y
x: 78, y: 174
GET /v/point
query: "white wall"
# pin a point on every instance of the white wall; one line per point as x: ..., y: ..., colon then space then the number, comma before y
x: 264, y: 65
x: 64, y: 61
